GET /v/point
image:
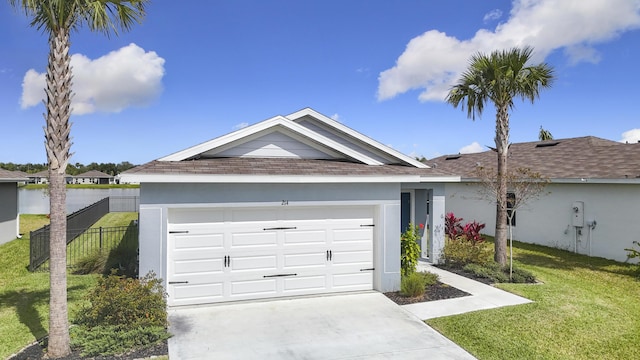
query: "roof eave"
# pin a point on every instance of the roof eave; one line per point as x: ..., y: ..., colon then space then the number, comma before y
x: 282, y: 179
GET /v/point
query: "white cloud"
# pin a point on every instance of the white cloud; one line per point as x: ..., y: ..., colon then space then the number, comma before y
x: 631, y: 136
x: 494, y: 14
x: 472, y: 148
x: 242, y: 125
x: 123, y: 78
x: 433, y: 61
x: 335, y: 117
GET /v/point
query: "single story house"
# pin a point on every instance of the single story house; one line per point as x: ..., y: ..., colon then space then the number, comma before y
x: 593, y: 201
x: 42, y: 177
x: 9, y: 216
x: 293, y: 205
x: 93, y: 177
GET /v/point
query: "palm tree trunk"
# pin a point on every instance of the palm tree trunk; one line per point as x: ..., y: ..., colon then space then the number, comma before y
x: 502, y: 147
x: 57, y: 145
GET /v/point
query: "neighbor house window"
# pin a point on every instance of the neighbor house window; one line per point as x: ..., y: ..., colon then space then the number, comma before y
x: 511, y: 213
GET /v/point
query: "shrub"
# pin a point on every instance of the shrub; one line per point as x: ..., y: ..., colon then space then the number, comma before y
x: 459, y: 252
x: 522, y: 276
x: 120, y: 301
x: 412, y: 285
x: 491, y: 270
x: 409, y: 249
x: 123, y: 314
x: 471, y: 232
x: 452, y: 226
x: 112, y: 340
x: 496, y: 273
x: 429, y: 278
x: 634, y: 253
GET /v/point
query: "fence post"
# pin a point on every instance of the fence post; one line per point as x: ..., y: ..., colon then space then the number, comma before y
x: 100, y: 238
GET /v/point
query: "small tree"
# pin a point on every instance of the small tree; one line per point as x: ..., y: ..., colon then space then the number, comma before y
x: 544, y: 135
x: 525, y: 185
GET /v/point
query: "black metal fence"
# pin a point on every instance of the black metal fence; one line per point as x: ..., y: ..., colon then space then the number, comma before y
x: 78, y: 224
x: 99, y: 240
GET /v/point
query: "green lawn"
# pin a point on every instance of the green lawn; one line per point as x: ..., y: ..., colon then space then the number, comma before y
x: 24, y: 296
x: 585, y: 308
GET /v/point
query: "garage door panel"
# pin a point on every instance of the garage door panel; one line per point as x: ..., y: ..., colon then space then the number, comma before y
x: 254, y: 263
x: 305, y: 260
x: 352, y: 257
x: 190, y: 294
x: 189, y: 267
x: 304, y: 284
x: 259, y: 287
x: 254, y: 239
x: 357, y: 234
x: 215, y: 241
x: 357, y: 281
x: 308, y: 237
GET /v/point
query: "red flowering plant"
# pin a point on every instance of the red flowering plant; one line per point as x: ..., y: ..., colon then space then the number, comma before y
x: 471, y: 232
x: 452, y: 226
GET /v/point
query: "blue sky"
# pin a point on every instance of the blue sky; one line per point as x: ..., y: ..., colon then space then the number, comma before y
x: 193, y: 72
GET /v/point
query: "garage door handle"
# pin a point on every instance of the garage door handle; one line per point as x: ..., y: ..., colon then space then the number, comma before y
x: 369, y: 269
x: 178, y: 282
x: 179, y: 232
x: 280, y: 228
x: 279, y: 275
x: 371, y: 225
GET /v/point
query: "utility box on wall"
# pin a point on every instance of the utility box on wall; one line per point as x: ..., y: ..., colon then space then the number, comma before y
x: 578, y: 214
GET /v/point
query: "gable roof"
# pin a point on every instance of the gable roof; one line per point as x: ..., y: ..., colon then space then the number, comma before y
x: 305, y: 146
x: 11, y: 176
x: 93, y: 174
x: 578, y: 159
x: 332, y: 141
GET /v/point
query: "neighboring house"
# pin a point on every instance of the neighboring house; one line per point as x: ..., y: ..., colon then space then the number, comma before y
x: 42, y: 177
x: 93, y: 177
x: 9, y: 217
x: 293, y: 205
x: 598, y: 178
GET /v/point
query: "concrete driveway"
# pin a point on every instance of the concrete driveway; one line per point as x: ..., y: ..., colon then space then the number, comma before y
x: 350, y: 326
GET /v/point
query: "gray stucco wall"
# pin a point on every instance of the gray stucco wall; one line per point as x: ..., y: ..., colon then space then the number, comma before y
x: 548, y: 220
x: 247, y: 193
x: 8, y: 211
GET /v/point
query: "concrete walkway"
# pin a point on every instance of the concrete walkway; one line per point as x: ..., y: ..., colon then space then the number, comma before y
x: 482, y: 297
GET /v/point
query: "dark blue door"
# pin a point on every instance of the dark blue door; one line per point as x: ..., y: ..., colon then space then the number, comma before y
x: 405, y: 211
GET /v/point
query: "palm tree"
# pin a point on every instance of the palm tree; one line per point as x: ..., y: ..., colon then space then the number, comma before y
x: 499, y: 78
x: 544, y: 135
x: 58, y: 18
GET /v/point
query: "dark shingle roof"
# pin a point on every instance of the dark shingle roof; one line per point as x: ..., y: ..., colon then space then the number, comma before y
x: 574, y: 158
x: 93, y: 174
x: 6, y: 175
x: 276, y: 166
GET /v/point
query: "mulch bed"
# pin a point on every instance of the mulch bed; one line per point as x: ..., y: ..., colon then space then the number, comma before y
x: 438, y: 291
x: 36, y: 352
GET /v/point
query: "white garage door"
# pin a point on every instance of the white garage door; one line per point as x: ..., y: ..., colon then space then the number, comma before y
x: 251, y: 253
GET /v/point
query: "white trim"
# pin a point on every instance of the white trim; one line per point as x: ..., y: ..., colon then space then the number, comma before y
x: 365, y: 139
x: 278, y: 179
x: 632, y: 181
x: 265, y: 125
